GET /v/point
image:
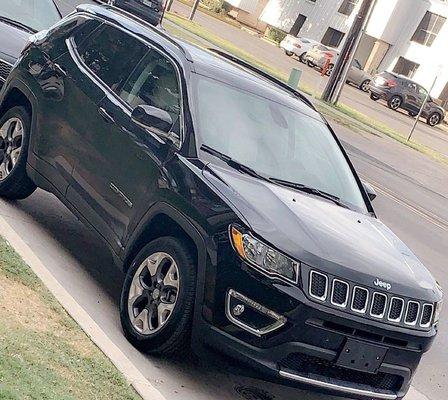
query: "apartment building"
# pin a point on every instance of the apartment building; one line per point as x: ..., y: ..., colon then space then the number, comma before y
x: 409, y: 37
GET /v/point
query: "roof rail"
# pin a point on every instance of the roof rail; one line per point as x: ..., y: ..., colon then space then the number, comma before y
x: 159, y: 31
x: 259, y: 71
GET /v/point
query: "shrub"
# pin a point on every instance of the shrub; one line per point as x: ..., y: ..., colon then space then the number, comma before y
x: 275, y: 34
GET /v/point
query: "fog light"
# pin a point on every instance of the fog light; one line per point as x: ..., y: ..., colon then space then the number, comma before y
x: 250, y: 315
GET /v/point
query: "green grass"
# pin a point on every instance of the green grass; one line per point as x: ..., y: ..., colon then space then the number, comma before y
x: 340, y: 113
x: 43, y: 352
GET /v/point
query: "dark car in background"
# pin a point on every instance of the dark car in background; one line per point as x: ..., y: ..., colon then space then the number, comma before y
x: 18, y: 20
x: 401, y: 92
x: 149, y: 10
x: 226, y: 198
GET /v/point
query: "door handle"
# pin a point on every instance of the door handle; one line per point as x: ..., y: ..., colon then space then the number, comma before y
x: 106, y: 116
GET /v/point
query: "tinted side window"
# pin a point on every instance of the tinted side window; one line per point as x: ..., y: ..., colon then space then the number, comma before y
x: 154, y: 82
x: 84, y: 30
x: 111, y: 55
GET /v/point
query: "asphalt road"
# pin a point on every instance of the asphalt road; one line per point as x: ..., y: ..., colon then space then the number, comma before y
x: 412, y: 200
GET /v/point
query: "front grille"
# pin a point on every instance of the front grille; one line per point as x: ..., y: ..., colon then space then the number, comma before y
x: 305, y: 364
x: 5, y: 69
x: 371, y: 304
x: 379, y: 302
x: 412, y: 313
x: 360, y: 299
x: 318, y: 285
x: 426, y: 315
x: 396, y: 309
x: 339, y: 295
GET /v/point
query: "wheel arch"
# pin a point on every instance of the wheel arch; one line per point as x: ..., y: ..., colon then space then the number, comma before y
x: 164, y: 220
x: 16, y: 97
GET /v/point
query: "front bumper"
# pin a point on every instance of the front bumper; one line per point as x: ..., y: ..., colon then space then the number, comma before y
x: 305, y: 349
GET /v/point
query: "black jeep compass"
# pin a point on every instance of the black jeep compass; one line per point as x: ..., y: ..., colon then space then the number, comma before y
x: 227, y: 200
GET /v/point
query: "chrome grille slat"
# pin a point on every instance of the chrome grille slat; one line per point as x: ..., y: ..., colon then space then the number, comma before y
x: 5, y: 69
x: 412, y: 311
x: 360, y: 299
x: 379, y: 305
x: 316, y: 290
x: 375, y: 305
x: 340, y: 291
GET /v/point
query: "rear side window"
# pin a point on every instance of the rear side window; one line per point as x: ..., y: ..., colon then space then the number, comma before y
x: 111, y: 55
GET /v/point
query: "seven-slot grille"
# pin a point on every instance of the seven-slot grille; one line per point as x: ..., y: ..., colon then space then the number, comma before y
x: 371, y: 304
x: 5, y: 69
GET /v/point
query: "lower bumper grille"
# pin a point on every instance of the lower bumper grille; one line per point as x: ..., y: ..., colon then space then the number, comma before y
x: 5, y: 69
x: 303, y: 363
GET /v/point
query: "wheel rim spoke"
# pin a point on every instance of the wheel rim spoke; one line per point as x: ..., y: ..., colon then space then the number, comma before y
x: 11, y: 134
x: 153, y: 293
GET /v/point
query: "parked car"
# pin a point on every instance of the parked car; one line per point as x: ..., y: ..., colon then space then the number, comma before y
x: 401, y: 92
x: 318, y: 55
x: 247, y: 231
x: 149, y: 10
x: 297, y: 46
x: 357, y: 76
x: 18, y: 20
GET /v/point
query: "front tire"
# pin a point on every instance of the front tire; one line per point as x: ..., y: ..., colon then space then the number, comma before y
x: 156, y: 307
x: 374, y: 97
x: 302, y: 58
x: 15, y: 128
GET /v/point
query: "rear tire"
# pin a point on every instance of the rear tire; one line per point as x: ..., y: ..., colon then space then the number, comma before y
x: 162, y: 281
x: 329, y: 70
x: 412, y: 114
x: 310, y: 64
x: 434, y: 119
x: 15, y: 128
x: 374, y: 97
x: 365, y: 86
x: 289, y: 53
x: 395, y: 102
x: 302, y: 58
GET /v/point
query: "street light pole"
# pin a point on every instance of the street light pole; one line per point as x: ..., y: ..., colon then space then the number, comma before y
x: 193, y: 9
x: 340, y: 70
x: 417, y: 118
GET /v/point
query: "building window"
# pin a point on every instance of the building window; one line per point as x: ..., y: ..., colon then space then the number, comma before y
x: 428, y: 29
x: 332, y: 37
x: 405, y: 67
x: 347, y: 7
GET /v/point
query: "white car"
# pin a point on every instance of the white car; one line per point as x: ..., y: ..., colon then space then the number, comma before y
x: 297, y: 45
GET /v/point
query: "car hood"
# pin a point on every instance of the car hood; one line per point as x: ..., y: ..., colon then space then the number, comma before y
x: 339, y: 241
x: 12, y: 41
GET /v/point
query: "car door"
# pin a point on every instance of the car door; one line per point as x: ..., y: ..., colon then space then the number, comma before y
x: 355, y: 73
x: 412, y: 101
x: 115, y: 180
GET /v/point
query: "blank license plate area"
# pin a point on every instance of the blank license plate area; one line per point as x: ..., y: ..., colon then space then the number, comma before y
x: 361, y: 356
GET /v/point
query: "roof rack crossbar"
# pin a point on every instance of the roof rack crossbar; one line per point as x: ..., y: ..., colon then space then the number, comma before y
x: 264, y: 74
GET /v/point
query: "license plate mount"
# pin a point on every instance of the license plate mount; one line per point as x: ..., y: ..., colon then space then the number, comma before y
x: 361, y: 356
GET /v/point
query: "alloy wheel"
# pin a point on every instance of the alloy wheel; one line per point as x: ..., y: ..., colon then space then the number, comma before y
x: 434, y: 119
x: 153, y: 293
x: 395, y: 103
x: 11, y: 139
x: 365, y: 86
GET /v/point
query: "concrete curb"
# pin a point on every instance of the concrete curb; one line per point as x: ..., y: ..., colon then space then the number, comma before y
x: 133, y: 376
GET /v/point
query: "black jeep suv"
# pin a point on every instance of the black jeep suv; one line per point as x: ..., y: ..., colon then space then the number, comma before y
x: 227, y: 200
x: 401, y: 92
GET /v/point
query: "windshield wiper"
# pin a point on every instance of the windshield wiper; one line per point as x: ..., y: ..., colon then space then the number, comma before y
x: 17, y: 24
x: 233, y: 163
x: 308, y: 189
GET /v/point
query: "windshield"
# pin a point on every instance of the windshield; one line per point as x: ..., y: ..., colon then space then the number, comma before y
x: 35, y: 14
x: 274, y: 139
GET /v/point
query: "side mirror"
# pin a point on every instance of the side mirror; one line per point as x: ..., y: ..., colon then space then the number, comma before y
x: 153, y: 118
x: 369, y: 190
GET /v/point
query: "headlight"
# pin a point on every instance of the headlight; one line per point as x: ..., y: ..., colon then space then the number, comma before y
x: 437, y: 311
x: 262, y: 257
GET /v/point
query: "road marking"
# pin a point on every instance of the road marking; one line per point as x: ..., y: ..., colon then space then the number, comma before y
x: 430, y: 217
x: 133, y: 376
